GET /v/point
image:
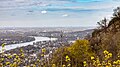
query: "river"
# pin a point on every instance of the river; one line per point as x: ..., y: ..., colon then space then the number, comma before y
x: 13, y: 46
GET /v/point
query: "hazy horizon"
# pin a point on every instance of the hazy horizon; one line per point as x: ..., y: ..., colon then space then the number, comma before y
x: 55, y: 13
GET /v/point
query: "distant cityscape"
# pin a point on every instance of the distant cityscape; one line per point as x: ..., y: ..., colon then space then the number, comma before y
x: 20, y: 35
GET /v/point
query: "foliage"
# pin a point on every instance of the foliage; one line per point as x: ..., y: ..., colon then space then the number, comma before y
x: 106, y: 62
x: 75, y: 54
x: 103, y: 23
x: 117, y: 12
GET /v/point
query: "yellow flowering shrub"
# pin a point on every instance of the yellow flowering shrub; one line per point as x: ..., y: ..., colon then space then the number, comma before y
x: 107, y: 62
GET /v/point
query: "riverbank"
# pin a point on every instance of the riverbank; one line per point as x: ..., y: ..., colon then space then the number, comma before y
x: 37, y: 39
x: 15, y: 39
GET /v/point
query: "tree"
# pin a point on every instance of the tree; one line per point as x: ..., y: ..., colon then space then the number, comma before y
x: 80, y: 51
x: 116, y: 12
x: 103, y: 23
x: 77, y: 53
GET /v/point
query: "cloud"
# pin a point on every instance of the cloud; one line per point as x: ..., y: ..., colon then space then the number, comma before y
x: 65, y: 15
x: 20, y: 0
x: 76, y: 10
x: 43, y: 12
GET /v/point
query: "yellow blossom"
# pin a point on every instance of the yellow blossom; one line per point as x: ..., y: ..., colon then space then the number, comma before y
x: 42, y: 55
x: 7, y: 63
x: 69, y: 65
x: 85, y: 63
x: 92, y: 58
x: 105, y: 52
x: 43, y: 50
x: 67, y: 58
x: 3, y: 45
x: 110, y: 54
x: 53, y: 65
x: 63, y: 65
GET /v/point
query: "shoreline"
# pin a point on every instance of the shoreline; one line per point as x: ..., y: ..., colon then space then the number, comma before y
x: 37, y: 39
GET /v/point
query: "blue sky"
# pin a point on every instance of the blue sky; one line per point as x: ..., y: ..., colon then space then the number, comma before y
x: 54, y: 13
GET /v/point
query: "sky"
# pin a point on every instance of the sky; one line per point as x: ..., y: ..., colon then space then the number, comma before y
x: 55, y: 13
